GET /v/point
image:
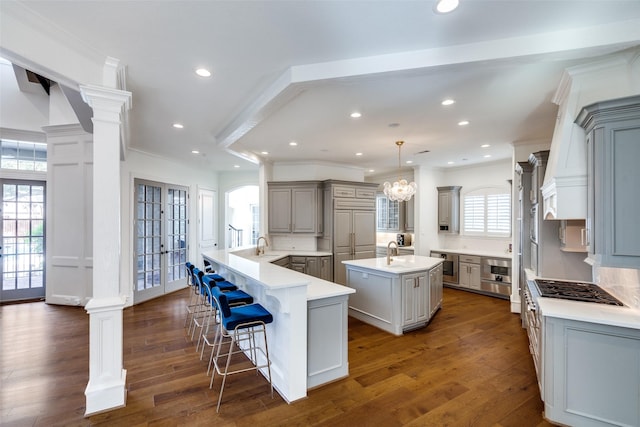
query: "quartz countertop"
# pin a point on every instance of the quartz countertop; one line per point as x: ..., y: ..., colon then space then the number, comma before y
x: 492, y: 254
x: 625, y: 316
x: 261, y: 269
x: 400, y: 265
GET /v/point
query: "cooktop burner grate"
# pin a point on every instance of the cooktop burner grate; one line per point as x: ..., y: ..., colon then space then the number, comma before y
x: 576, y: 291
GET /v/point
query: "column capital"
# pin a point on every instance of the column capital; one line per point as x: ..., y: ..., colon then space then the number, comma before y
x: 104, y: 99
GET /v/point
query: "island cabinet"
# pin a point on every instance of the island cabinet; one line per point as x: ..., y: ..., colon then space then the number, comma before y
x: 613, y: 149
x: 398, y: 297
x: 295, y: 207
x: 435, y: 290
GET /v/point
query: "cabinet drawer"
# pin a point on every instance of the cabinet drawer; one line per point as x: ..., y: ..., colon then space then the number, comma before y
x: 469, y: 258
x: 365, y: 193
x: 298, y: 260
x: 340, y: 191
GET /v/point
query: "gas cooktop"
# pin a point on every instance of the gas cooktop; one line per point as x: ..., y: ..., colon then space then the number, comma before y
x: 576, y: 291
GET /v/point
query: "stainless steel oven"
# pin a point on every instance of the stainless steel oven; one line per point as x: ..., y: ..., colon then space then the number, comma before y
x: 449, y: 266
x: 495, y: 276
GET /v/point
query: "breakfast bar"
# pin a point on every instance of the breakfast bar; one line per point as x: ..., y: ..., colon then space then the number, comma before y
x: 308, y: 336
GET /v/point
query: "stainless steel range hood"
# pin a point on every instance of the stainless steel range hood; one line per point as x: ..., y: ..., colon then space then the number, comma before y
x: 564, y: 189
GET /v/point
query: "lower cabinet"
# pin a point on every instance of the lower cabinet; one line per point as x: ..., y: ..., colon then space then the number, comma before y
x: 591, y: 373
x: 435, y: 290
x: 320, y: 267
x: 415, y: 299
x: 469, y: 271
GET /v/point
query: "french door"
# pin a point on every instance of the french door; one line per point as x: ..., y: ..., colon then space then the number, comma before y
x: 161, y: 239
x: 22, y: 271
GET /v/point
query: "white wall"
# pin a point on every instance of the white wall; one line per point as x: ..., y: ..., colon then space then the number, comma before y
x: 154, y: 168
x: 229, y: 181
x: 470, y: 178
x: 426, y: 202
x: 315, y: 172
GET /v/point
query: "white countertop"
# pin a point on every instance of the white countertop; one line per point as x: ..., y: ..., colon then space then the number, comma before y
x: 493, y: 254
x: 626, y: 317
x: 400, y: 265
x: 259, y: 268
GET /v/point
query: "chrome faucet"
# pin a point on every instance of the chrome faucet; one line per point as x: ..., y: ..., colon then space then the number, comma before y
x: 266, y: 244
x: 389, y: 259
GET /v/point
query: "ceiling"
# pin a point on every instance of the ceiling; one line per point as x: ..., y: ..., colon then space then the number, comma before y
x: 287, y: 71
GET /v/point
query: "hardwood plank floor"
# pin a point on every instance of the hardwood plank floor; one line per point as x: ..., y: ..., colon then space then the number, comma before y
x: 469, y: 367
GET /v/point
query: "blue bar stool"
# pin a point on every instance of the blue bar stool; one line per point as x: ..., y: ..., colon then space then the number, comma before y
x: 241, y: 325
x: 203, y: 316
x: 193, y: 293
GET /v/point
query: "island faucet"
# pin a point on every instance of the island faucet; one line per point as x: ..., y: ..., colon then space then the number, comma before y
x: 389, y: 259
x: 266, y: 243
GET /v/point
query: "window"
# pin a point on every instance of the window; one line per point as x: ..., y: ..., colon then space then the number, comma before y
x: 24, y: 156
x: 487, y: 212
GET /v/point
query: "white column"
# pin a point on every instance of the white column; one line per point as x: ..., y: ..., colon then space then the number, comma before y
x: 107, y: 378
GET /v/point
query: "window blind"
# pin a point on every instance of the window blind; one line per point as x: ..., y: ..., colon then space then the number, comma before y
x: 487, y: 212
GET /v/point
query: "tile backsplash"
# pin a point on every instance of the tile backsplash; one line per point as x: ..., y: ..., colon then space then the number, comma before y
x: 623, y: 283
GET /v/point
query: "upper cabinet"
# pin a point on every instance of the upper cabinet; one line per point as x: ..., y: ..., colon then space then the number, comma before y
x: 613, y: 206
x: 449, y: 209
x: 394, y: 216
x: 295, y: 207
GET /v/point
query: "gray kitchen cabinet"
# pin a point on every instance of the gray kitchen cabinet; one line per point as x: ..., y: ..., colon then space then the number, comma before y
x: 353, y: 239
x: 312, y: 266
x: 298, y: 263
x: 415, y: 298
x: 388, y: 214
x: 449, y: 209
x: 282, y: 262
x: 590, y: 373
x: 295, y: 207
x: 435, y: 289
x: 572, y: 235
x: 409, y: 215
x: 613, y: 208
x: 469, y: 271
x: 350, y: 223
x: 326, y: 268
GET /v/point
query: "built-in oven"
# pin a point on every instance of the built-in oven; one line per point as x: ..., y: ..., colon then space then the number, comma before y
x: 449, y: 266
x: 495, y: 276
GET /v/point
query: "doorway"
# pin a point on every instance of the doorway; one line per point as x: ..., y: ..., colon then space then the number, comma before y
x: 22, y: 271
x: 243, y: 216
x: 161, y: 239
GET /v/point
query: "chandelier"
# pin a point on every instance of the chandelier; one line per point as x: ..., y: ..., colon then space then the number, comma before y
x: 401, y: 190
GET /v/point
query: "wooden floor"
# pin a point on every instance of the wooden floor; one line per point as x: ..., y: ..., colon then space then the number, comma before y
x: 469, y: 367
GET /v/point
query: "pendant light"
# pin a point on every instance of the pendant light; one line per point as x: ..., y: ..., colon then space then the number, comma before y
x: 401, y: 190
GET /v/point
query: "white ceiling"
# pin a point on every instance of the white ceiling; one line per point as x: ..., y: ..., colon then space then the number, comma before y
x: 295, y: 70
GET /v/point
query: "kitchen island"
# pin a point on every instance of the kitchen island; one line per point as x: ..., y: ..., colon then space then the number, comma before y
x: 308, y: 335
x: 396, y: 297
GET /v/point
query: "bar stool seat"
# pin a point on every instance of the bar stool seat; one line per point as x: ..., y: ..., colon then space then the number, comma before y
x: 224, y: 285
x: 241, y: 325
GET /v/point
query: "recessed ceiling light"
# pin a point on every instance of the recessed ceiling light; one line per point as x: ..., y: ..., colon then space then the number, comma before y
x: 485, y: 146
x: 264, y: 152
x: 450, y: 163
x: 446, y: 6
x: 178, y: 125
x: 203, y: 72
x: 463, y: 123
x: 236, y: 166
x: 358, y: 154
x: 448, y: 102
x: 409, y: 162
x: 371, y: 170
x: 487, y: 156
x: 356, y: 115
x: 195, y: 152
x: 293, y: 143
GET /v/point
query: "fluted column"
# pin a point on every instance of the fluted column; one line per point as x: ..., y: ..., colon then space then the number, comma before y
x: 107, y: 377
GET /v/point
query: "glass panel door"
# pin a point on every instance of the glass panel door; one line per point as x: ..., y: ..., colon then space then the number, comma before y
x: 176, y: 237
x: 161, y: 239
x: 22, y: 274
